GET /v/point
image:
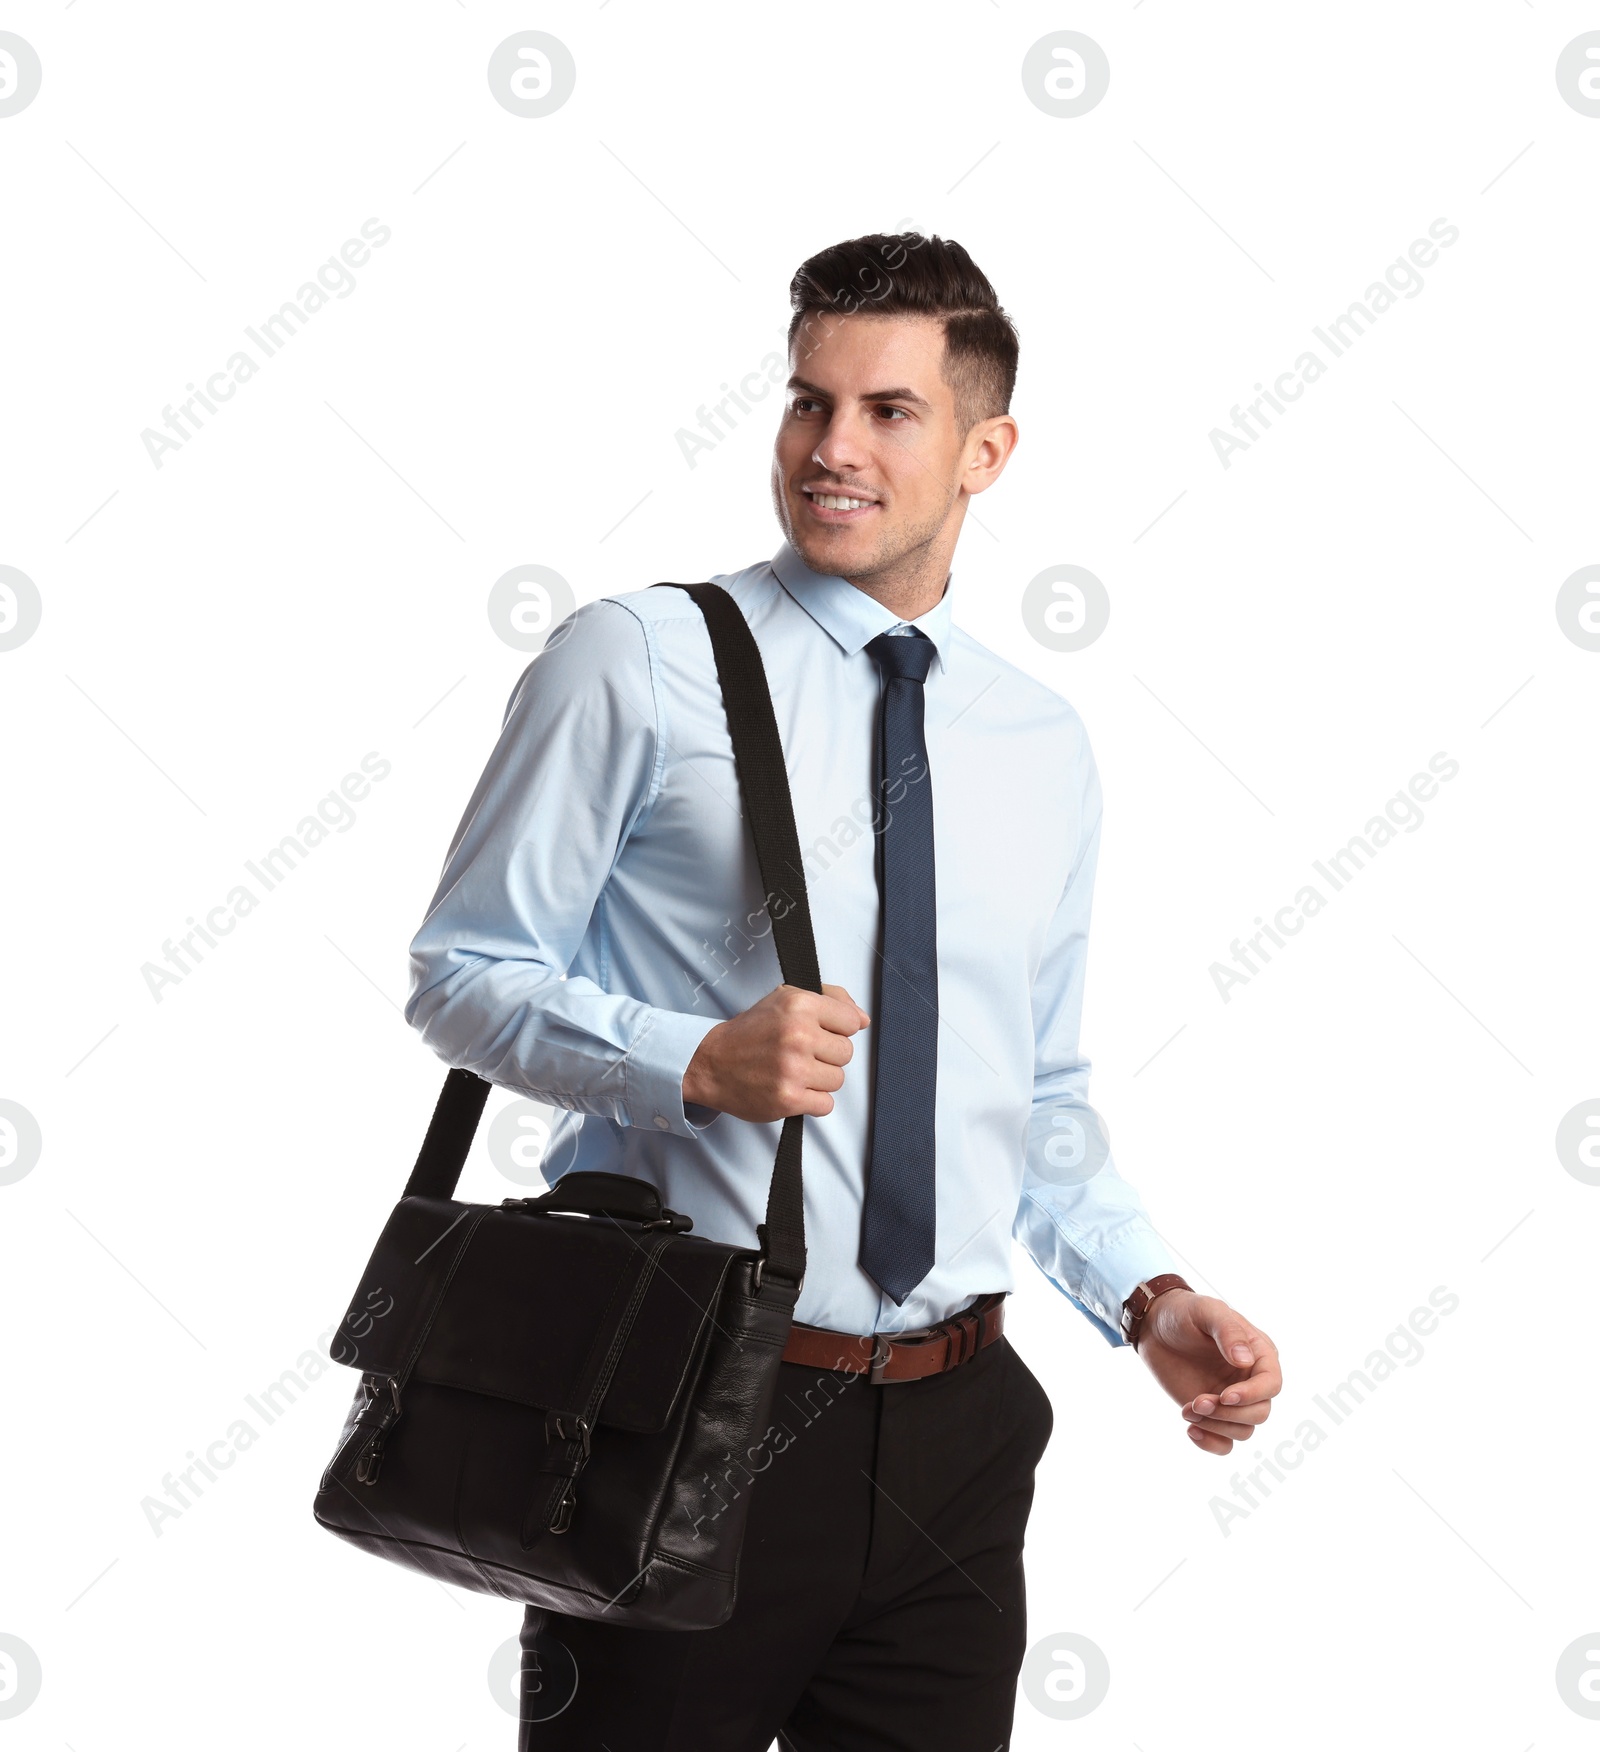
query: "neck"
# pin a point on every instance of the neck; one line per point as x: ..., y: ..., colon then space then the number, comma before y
x: 903, y: 607
x: 910, y: 586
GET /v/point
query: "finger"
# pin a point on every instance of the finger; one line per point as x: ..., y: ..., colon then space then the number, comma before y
x: 1232, y: 1398
x: 1246, y: 1347
x: 833, y: 1049
x: 1238, y: 1342
x: 1246, y: 1415
x: 825, y: 1077
x: 1212, y: 1444
x: 839, y: 1012
x: 1265, y: 1385
x: 1235, y: 1432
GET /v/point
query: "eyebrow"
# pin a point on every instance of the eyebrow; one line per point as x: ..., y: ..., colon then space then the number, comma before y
x: 874, y: 395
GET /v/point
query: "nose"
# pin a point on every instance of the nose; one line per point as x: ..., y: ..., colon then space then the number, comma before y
x: 842, y: 450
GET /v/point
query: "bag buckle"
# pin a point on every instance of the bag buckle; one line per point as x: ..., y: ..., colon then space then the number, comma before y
x: 763, y: 1259
x: 371, y: 1457
x: 374, y: 1389
x: 560, y: 1426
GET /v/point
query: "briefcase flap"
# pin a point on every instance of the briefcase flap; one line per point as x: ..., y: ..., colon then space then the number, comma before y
x: 512, y: 1304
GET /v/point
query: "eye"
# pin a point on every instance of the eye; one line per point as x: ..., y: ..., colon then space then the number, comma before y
x: 889, y: 408
x: 802, y: 402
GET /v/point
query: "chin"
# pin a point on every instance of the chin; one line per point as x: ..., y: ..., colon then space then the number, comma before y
x: 836, y: 558
x: 834, y: 552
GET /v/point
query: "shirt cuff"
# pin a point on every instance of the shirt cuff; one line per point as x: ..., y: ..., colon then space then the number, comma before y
x: 653, y: 1078
x: 1134, y: 1254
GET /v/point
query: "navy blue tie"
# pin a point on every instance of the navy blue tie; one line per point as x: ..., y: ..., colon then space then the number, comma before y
x: 897, y: 1229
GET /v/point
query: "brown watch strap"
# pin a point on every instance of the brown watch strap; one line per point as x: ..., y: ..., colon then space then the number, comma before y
x: 1138, y: 1304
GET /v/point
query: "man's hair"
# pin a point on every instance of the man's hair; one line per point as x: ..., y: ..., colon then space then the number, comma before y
x: 907, y: 274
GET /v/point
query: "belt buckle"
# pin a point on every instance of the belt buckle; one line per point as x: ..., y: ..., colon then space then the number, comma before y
x: 881, y: 1347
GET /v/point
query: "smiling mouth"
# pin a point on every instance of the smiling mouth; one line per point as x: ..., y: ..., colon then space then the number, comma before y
x: 836, y: 507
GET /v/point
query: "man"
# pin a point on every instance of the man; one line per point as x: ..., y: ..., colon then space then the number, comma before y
x: 598, y: 942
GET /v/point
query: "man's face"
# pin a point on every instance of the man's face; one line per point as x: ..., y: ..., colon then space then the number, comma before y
x: 869, y: 417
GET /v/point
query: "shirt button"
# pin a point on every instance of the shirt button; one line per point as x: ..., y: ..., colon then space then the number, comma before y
x: 663, y: 1123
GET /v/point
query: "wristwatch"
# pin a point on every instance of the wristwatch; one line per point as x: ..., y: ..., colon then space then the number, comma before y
x: 1138, y: 1304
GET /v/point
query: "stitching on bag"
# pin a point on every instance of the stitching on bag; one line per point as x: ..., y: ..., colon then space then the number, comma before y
x: 461, y: 1538
x: 745, y: 1335
x: 356, y: 1536
x: 402, y: 1376
x: 696, y: 1569
x: 438, y: 1301
x: 582, y: 1373
x: 694, y: 1364
x: 645, y: 1271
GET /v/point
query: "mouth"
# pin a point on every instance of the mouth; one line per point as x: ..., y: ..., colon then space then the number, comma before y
x: 829, y: 507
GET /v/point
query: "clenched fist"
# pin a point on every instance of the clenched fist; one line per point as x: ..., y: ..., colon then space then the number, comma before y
x: 783, y: 1055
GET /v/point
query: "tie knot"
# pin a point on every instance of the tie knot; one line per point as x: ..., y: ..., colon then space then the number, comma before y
x: 903, y: 656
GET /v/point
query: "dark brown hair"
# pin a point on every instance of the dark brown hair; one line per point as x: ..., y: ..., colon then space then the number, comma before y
x: 905, y: 273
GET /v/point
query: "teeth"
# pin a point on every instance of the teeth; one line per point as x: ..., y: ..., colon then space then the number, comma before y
x: 833, y: 502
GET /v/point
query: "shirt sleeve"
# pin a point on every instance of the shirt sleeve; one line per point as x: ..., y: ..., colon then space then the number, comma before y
x: 1083, y: 1224
x: 575, y: 769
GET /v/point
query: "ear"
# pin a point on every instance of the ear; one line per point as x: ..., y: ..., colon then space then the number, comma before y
x: 988, y: 449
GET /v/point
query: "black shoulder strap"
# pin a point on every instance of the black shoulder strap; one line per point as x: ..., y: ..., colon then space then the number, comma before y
x: 764, y: 787
x: 444, y: 1149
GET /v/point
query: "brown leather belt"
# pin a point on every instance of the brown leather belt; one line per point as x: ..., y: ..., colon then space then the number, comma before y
x: 902, y: 1356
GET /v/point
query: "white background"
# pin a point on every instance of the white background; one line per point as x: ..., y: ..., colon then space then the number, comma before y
x: 1374, y: 581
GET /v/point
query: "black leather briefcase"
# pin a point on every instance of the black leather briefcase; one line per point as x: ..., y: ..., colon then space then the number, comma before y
x: 556, y: 1392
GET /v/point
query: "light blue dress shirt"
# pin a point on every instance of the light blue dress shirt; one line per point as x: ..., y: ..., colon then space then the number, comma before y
x: 600, y: 910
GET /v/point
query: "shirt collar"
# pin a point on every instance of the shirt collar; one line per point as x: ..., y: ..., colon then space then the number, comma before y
x: 848, y: 615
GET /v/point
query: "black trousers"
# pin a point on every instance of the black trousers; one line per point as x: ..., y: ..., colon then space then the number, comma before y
x: 880, y: 1586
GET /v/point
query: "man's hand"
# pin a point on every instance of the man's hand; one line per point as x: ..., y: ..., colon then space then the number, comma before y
x: 783, y: 1055
x: 1222, y: 1370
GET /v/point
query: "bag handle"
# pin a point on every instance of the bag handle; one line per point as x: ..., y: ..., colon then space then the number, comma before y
x: 764, y: 787
x: 591, y: 1192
